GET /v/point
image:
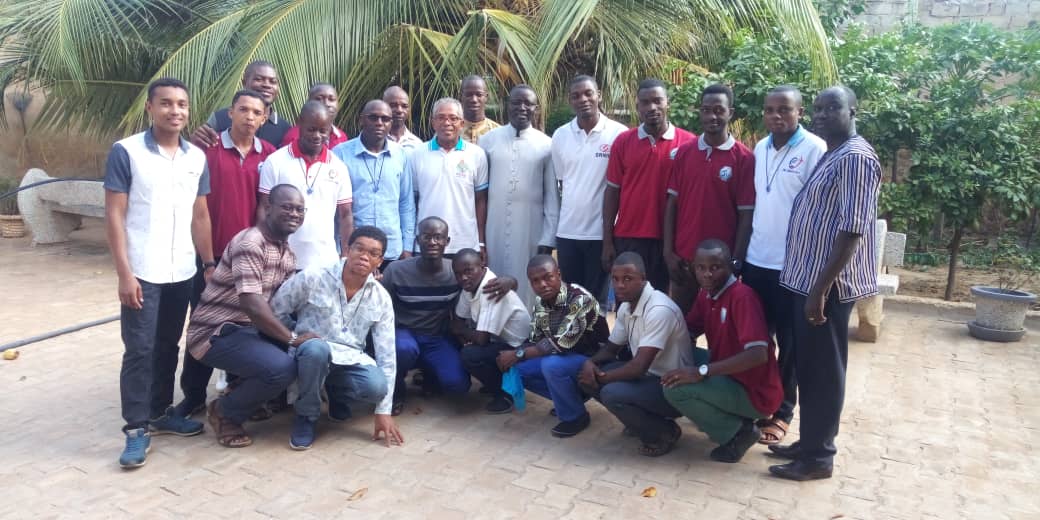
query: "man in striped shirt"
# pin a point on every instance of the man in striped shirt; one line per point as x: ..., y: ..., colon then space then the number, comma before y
x: 830, y: 263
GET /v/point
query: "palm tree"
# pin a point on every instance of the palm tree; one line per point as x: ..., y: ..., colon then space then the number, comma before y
x: 94, y: 57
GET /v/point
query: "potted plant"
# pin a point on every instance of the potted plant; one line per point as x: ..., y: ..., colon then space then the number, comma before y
x: 1000, y: 311
x: 11, y: 223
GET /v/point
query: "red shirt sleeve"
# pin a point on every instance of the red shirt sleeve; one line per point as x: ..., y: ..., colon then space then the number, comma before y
x: 698, y: 313
x: 744, y: 188
x: 291, y: 135
x: 749, y: 319
x: 674, y: 175
x: 615, y: 170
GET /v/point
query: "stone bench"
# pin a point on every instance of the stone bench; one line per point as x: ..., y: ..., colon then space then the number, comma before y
x: 890, y: 249
x: 54, y: 210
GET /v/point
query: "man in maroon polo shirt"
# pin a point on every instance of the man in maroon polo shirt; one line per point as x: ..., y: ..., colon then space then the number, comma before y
x: 325, y: 94
x: 711, y: 194
x: 637, y: 178
x: 234, y: 168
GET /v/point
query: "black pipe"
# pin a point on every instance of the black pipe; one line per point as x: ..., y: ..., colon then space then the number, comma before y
x: 41, y: 183
x: 59, y: 332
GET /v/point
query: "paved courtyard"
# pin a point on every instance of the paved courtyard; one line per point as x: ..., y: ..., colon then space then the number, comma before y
x: 936, y: 425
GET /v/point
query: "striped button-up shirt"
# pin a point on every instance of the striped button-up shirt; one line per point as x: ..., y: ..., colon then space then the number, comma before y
x: 840, y: 195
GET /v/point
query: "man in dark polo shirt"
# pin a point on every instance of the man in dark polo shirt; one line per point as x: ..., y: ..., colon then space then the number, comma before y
x: 637, y: 180
x: 234, y: 168
x: 262, y: 77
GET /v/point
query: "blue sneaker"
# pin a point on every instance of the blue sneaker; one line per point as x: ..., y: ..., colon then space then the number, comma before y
x: 138, y: 442
x: 173, y: 423
x: 302, y: 435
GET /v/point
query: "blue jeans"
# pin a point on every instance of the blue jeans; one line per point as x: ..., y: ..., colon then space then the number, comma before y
x: 150, y: 337
x: 640, y: 405
x: 264, y: 370
x: 439, y: 358
x: 556, y: 378
x: 344, y: 383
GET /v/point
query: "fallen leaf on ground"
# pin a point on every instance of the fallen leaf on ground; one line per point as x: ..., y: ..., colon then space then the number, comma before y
x: 837, y: 516
x: 649, y: 492
x: 357, y: 494
x: 10, y: 354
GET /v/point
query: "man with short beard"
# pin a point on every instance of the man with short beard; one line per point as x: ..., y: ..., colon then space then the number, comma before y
x: 261, y: 76
x: 400, y: 109
x: 325, y: 94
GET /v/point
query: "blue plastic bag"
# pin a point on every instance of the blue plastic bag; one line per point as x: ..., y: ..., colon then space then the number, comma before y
x: 513, y: 386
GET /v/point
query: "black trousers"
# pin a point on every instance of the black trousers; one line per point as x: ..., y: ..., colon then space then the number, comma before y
x: 780, y: 314
x: 580, y: 263
x: 652, y: 252
x: 195, y: 375
x: 821, y: 357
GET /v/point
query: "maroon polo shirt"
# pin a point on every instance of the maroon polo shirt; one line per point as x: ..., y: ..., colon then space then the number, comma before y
x: 234, y: 180
x: 733, y: 321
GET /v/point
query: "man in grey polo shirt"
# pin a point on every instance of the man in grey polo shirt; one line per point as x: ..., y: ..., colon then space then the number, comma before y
x: 156, y: 219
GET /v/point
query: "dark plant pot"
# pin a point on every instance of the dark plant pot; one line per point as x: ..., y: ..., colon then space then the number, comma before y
x: 999, y: 313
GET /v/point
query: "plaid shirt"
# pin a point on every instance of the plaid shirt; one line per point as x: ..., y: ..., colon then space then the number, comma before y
x: 570, y: 323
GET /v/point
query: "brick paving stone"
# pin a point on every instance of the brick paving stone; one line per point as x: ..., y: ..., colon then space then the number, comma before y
x: 937, y: 425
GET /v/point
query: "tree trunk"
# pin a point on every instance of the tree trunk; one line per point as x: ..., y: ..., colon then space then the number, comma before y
x: 955, y: 251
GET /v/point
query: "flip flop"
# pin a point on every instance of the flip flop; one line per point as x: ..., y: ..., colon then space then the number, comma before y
x: 773, y: 431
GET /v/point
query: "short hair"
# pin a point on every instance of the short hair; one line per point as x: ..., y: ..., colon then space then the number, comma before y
x: 315, y: 87
x: 580, y: 78
x: 466, y: 254
x: 394, y: 88
x: 247, y: 92
x: 711, y: 244
x: 256, y: 64
x: 447, y: 101
x: 472, y: 78
x: 364, y: 108
x: 718, y: 88
x: 523, y: 86
x: 542, y: 260
x: 368, y: 232
x: 427, y: 220
x: 651, y: 83
x: 165, y: 82
x: 849, y: 93
x: 312, y: 108
x: 633, y: 259
x: 787, y: 89
x: 281, y: 190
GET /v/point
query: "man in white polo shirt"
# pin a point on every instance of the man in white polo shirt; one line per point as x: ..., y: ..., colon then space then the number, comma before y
x: 580, y: 152
x: 324, y: 182
x: 156, y: 219
x: 783, y: 162
x: 451, y: 177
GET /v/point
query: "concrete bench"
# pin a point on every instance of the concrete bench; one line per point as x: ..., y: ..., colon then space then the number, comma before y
x: 890, y: 249
x: 54, y: 210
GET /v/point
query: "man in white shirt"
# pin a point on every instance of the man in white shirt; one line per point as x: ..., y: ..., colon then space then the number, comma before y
x: 485, y: 327
x: 400, y: 110
x: 451, y: 177
x: 783, y: 162
x: 651, y: 325
x: 580, y: 152
x: 324, y: 182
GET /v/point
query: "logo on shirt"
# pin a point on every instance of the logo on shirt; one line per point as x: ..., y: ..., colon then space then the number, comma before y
x: 725, y: 173
x: 795, y: 162
x: 722, y: 315
x: 462, y: 170
x: 673, y: 152
x: 604, y: 152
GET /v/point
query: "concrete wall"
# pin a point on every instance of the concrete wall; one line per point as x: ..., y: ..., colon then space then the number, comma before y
x: 882, y: 15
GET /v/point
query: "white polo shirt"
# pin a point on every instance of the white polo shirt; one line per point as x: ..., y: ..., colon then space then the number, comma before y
x: 447, y: 182
x: 580, y: 160
x: 161, y: 192
x: 655, y: 321
x: 324, y: 185
x: 779, y: 176
x: 506, y: 319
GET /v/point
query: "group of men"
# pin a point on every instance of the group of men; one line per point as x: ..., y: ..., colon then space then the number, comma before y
x: 332, y: 266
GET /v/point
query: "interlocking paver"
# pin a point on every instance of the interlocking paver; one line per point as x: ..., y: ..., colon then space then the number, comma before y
x: 936, y: 425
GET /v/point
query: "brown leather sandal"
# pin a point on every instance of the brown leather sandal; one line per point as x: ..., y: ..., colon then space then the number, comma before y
x: 773, y: 430
x: 229, y: 434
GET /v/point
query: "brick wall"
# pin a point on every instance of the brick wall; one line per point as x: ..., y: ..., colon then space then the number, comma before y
x: 881, y: 15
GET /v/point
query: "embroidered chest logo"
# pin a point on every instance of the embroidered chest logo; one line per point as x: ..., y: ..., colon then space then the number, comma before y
x: 462, y: 170
x: 794, y: 164
x: 674, y: 151
x: 722, y: 315
x: 604, y: 152
x: 725, y: 173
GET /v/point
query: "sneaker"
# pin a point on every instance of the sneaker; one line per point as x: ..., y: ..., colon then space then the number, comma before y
x: 339, y: 411
x: 735, y: 449
x: 499, y: 405
x: 187, y: 408
x: 138, y: 443
x: 302, y: 436
x: 172, y: 422
x: 571, y: 428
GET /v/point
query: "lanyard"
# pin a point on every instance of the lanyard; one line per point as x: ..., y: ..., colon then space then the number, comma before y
x: 380, y: 162
x: 771, y: 178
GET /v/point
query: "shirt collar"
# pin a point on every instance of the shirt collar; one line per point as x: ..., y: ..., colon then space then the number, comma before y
x: 561, y: 297
x: 601, y: 123
x: 648, y: 291
x: 294, y: 150
x: 336, y: 272
x: 797, y: 137
x: 227, y: 143
x: 357, y: 148
x: 149, y: 142
x: 732, y: 280
x: 272, y: 118
x: 702, y: 144
x: 668, y: 135
x: 458, y: 146
x: 406, y: 136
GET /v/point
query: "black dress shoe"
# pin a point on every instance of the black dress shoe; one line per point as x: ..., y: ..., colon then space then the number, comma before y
x: 800, y: 470
x: 791, y: 451
x: 571, y: 428
x: 735, y: 449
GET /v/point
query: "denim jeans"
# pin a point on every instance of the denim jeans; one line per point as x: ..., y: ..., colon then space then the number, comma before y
x: 344, y: 383
x: 150, y: 336
x: 556, y: 378
x: 264, y: 370
x: 640, y: 405
x: 439, y: 358
x: 481, y: 362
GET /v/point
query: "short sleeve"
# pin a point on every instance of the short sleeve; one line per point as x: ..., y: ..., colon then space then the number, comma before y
x: 743, y: 190
x: 268, y: 177
x: 749, y: 320
x: 345, y: 194
x: 857, y: 182
x: 117, y: 170
x: 247, y: 267
x: 615, y: 166
x: 494, y: 316
x: 462, y: 308
x: 657, y: 327
x: 204, y: 187
x: 480, y: 182
x: 674, y: 175
x: 695, y: 318
x: 619, y: 335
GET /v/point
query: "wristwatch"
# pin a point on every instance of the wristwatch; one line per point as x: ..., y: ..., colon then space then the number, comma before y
x: 520, y: 353
x: 293, y: 336
x: 737, y: 265
x: 703, y: 370
x: 207, y: 265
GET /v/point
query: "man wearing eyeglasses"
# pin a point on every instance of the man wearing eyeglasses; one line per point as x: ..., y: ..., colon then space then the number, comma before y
x: 451, y: 177
x: 711, y: 194
x: 382, y: 190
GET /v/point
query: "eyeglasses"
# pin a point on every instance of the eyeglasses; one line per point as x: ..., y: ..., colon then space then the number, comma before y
x: 444, y: 118
x: 292, y: 208
x: 433, y: 237
x: 378, y: 119
x: 371, y: 253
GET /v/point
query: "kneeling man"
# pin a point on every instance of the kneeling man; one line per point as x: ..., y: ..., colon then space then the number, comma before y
x: 652, y: 327
x: 342, y: 303
x: 740, y: 381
